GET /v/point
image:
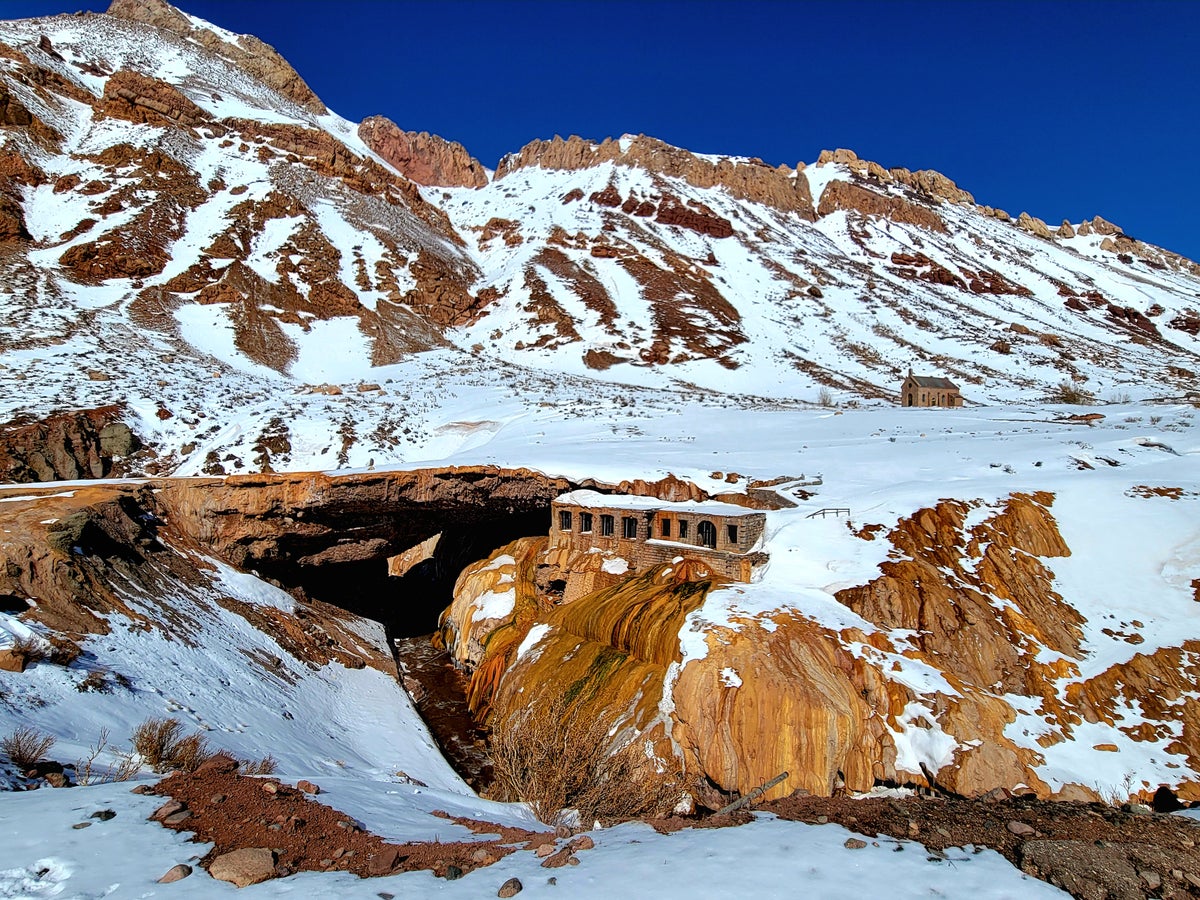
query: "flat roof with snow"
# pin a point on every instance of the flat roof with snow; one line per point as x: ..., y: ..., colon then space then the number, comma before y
x: 596, y: 500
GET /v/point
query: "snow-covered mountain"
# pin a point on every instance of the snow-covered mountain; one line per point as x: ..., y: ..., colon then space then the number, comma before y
x: 187, y: 226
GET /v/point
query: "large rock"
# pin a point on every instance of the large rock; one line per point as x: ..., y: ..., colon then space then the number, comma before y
x: 244, y: 867
x: 1033, y: 225
x: 422, y: 157
x: 65, y: 446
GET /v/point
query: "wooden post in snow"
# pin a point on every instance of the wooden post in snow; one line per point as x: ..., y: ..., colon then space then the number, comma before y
x: 753, y: 795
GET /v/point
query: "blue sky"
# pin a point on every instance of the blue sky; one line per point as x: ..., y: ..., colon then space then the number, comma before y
x: 1063, y: 109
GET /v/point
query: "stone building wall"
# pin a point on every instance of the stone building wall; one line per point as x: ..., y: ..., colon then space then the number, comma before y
x: 649, y: 537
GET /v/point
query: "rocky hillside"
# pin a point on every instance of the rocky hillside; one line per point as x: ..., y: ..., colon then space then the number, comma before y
x: 187, y: 229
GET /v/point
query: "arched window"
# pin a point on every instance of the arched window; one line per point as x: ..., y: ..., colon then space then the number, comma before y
x: 706, y: 534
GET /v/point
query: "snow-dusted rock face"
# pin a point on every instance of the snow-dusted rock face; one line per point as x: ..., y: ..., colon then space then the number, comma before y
x: 959, y: 661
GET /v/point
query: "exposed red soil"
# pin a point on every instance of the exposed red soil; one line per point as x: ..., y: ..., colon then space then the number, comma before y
x: 234, y: 811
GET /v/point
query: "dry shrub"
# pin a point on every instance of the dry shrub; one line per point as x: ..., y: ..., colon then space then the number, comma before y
x: 154, y: 741
x: 265, y: 766
x: 1066, y: 392
x: 64, y: 651
x: 189, y: 752
x: 95, y: 680
x: 28, y: 649
x: 88, y: 772
x: 25, y: 746
x: 558, y: 757
x: 1002, y: 346
x: 162, y: 747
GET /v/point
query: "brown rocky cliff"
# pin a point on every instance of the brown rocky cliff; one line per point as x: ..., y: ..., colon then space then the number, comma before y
x: 422, y: 157
x: 842, y: 195
x: 258, y: 59
x: 65, y: 446
x: 750, y: 180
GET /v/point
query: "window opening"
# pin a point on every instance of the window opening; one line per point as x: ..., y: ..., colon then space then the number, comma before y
x: 585, y: 522
x: 664, y: 527
x: 606, y: 526
x: 706, y: 534
x: 629, y: 527
x: 564, y: 520
x: 731, y: 533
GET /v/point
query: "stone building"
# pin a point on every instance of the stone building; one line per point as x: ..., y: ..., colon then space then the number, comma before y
x: 922, y: 390
x: 646, y: 531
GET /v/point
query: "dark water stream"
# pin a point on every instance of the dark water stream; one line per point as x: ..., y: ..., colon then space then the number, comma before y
x: 439, y: 692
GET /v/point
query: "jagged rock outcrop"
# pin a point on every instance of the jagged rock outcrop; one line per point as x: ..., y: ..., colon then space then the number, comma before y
x: 422, y: 157
x: 842, y: 195
x: 1034, y: 225
x: 138, y: 98
x: 257, y: 58
x: 1065, y: 230
x: 87, y: 444
x: 933, y: 183
x: 746, y: 179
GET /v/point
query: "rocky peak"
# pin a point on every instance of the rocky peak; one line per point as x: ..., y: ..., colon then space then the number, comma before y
x: 927, y: 181
x: 749, y: 179
x: 422, y: 157
x: 259, y: 59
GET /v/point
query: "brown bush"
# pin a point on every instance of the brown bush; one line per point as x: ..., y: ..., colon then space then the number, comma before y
x: 189, y: 752
x: 64, y: 651
x: 265, y: 766
x: 95, y: 680
x: 1068, y: 393
x: 25, y: 746
x: 161, y: 746
x: 28, y: 649
x: 557, y: 757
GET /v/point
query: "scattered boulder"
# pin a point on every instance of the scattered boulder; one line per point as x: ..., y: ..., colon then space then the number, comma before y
x: 1065, y: 230
x: 176, y: 873
x: 1033, y: 225
x: 245, y: 867
x: 510, y: 888
x: 307, y: 787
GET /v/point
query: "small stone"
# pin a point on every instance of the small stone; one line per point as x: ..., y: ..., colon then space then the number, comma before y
x: 325, y: 863
x: 274, y: 826
x: 1153, y: 879
x: 307, y: 787
x: 823, y: 820
x: 583, y: 842
x: 1020, y: 829
x: 481, y: 856
x: 573, y: 861
x: 1193, y: 880
x: 270, y: 787
x: 943, y: 832
x: 854, y: 844
x: 913, y: 828
x: 544, y: 850
x: 103, y: 814
x: 79, y: 825
x: 551, y: 880
x: 142, y: 789
x: 339, y: 852
x: 169, y: 808
x: 57, y: 779
x: 1177, y: 874
x: 557, y: 860
x: 384, y: 895
x: 510, y: 888
x: 178, y: 818
x: 453, y: 873
x: 383, y: 860
x: 176, y: 873
x: 217, y: 798
x: 562, y: 831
